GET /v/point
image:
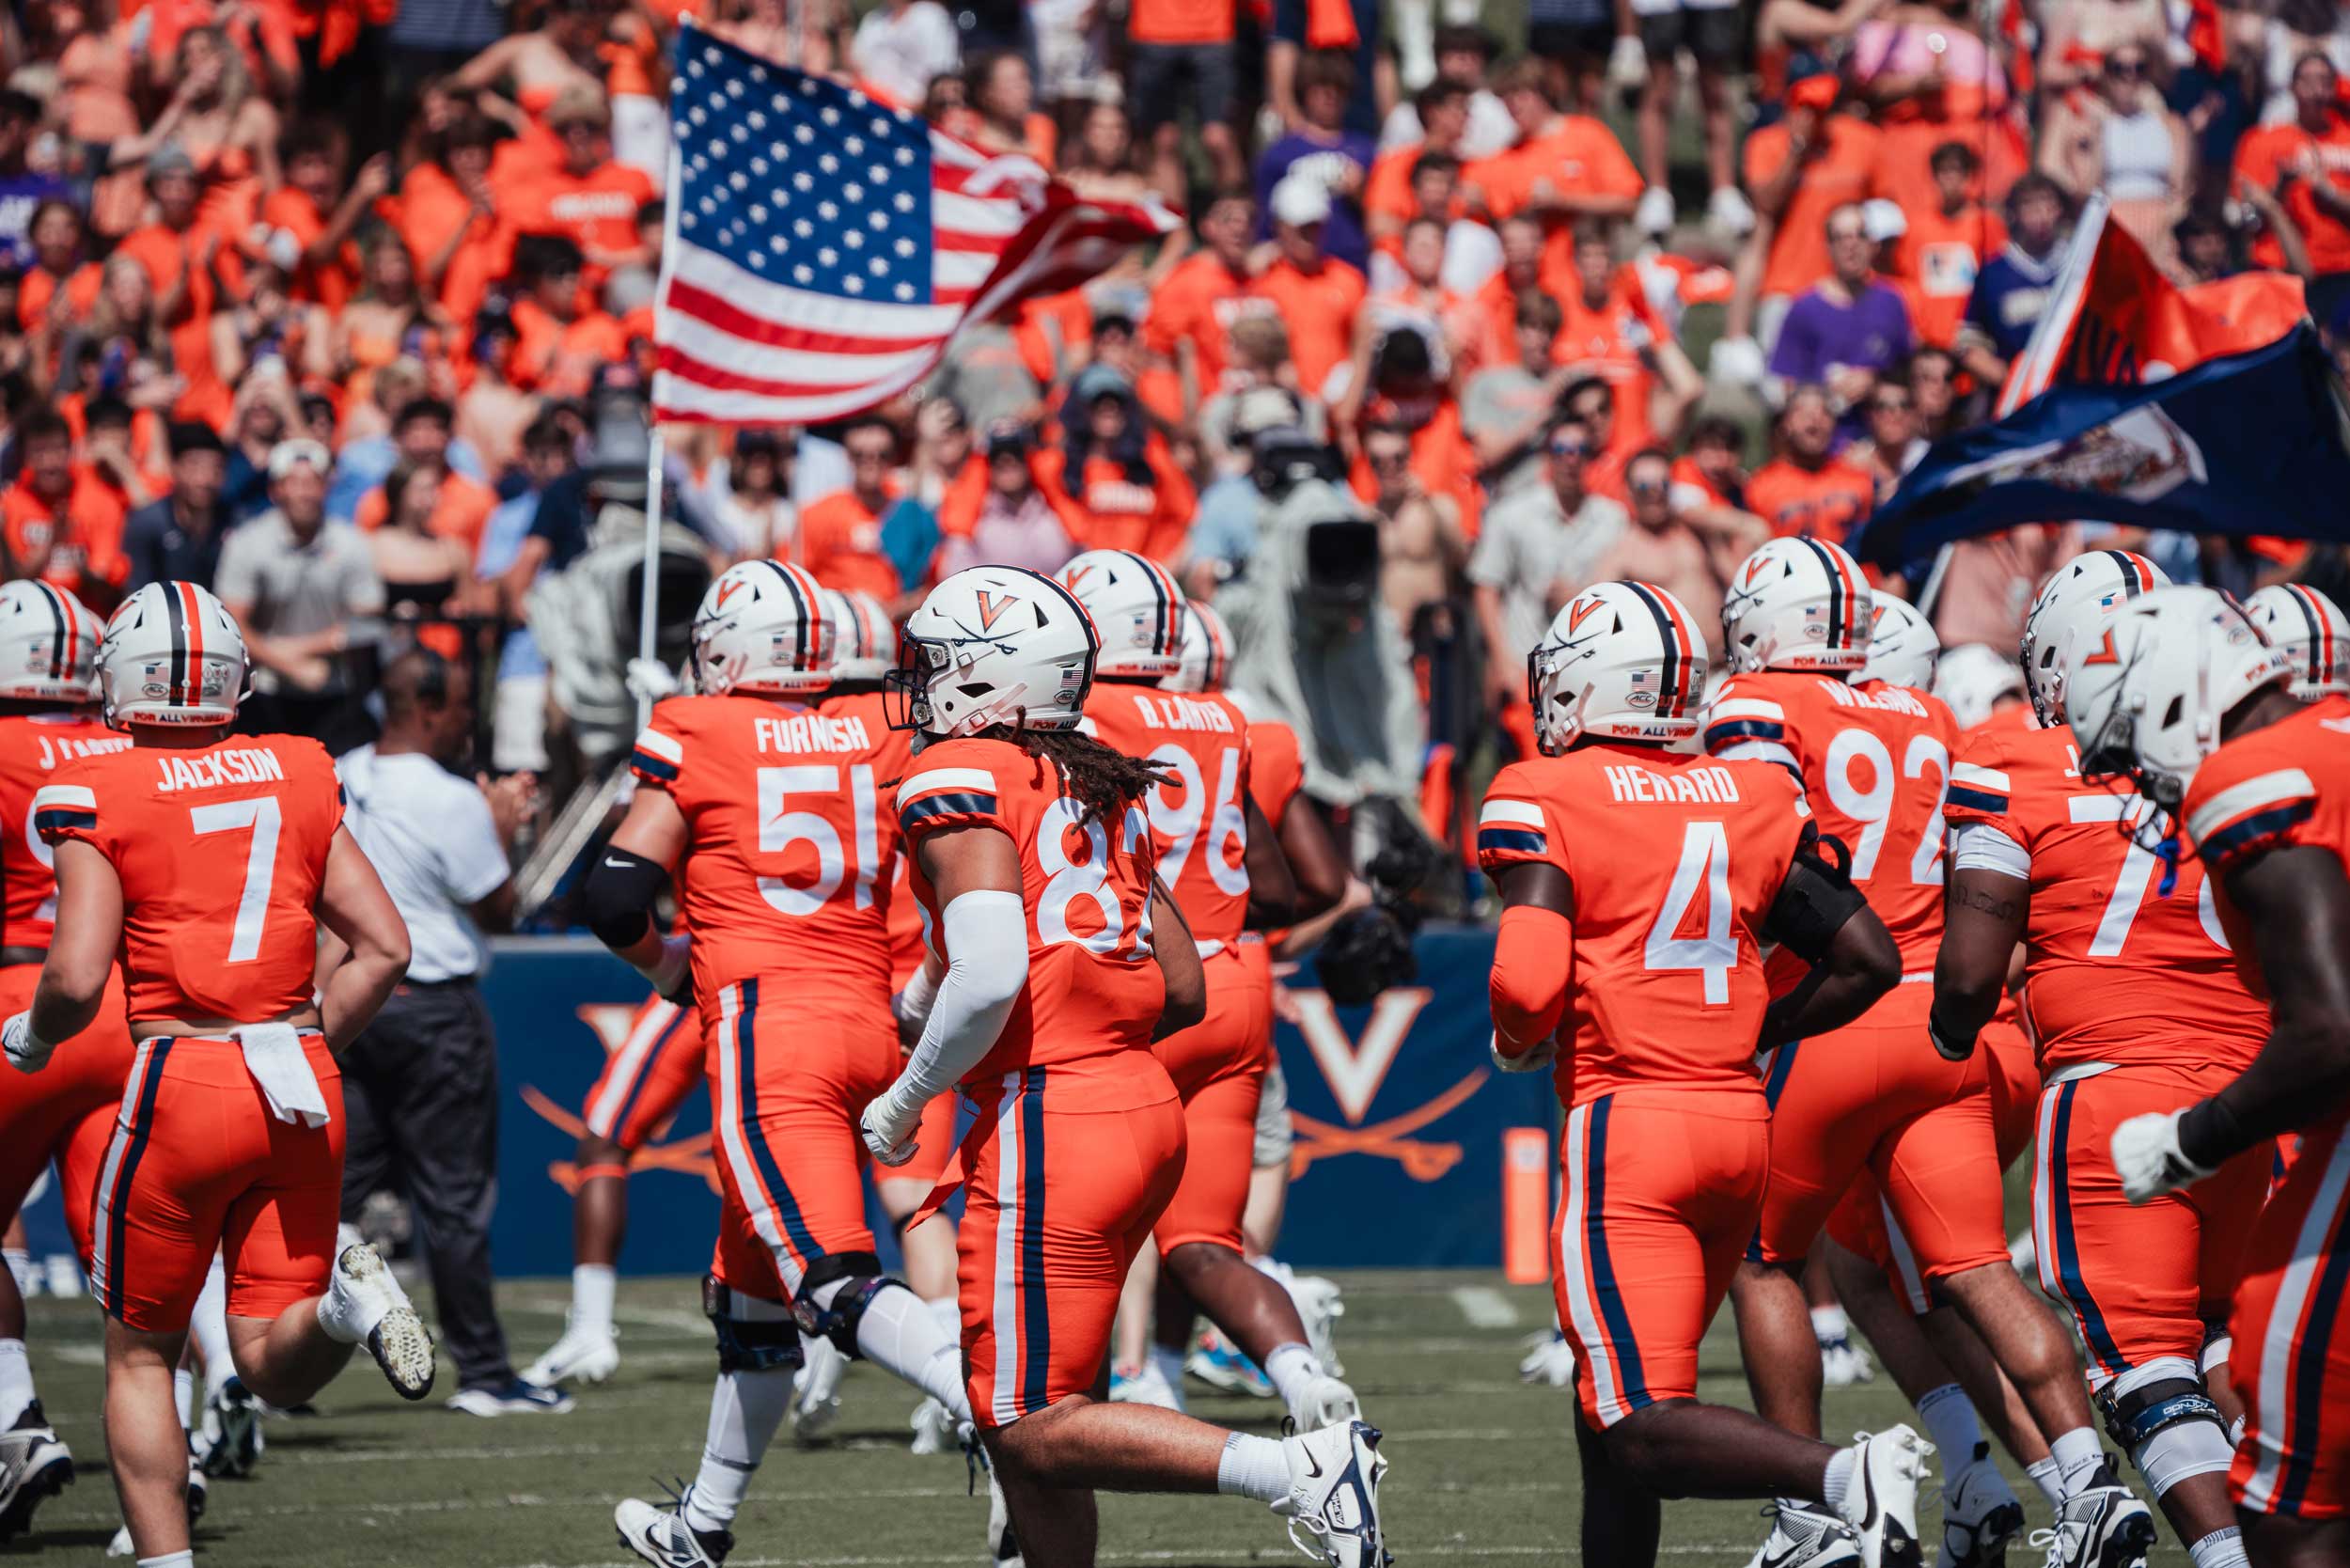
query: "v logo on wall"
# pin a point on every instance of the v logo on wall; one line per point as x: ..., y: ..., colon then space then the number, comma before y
x: 689, y: 1155
x: 1354, y: 1069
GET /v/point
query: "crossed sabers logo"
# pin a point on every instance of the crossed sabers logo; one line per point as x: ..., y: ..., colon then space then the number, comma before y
x: 686, y: 1156
x: 1354, y: 1069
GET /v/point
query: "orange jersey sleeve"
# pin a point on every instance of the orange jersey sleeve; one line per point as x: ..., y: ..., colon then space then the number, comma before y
x: 32, y: 749
x: 2115, y: 968
x: 1674, y: 862
x: 2284, y: 785
x: 1094, y: 988
x: 790, y: 857
x: 1198, y: 823
x: 1875, y: 764
x: 220, y: 850
x: 1276, y: 769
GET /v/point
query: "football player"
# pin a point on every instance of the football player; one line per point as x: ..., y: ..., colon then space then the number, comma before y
x: 2310, y: 630
x: 48, y: 716
x: 768, y: 811
x: 2179, y: 694
x: 1874, y: 762
x: 210, y: 863
x: 1223, y: 862
x: 1638, y: 885
x: 2133, y: 999
x: 1063, y: 959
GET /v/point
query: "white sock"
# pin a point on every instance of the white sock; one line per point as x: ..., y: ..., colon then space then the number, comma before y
x: 1829, y: 1322
x: 947, y: 1312
x: 183, y: 1395
x: 2078, y: 1453
x: 1255, y: 1467
x: 21, y: 1264
x: 899, y: 1333
x: 208, y: 1322
x: 1291, y: 1367
x: 744, y: 1410
x: 1170, y: 1364
x: 2221, y: 1549
x: 16, y: 1382
x: 2044, y: 1475
x: 1950, y: 1426
x: 592, y: 1288
x: 1838, y: 1478
x: 169, y: 1559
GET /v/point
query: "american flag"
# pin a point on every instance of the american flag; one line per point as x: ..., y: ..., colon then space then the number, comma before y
x: 823, y: 247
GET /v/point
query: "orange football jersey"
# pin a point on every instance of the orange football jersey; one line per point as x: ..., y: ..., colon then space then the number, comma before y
x: 790, y: 857
x: 220, y: 849
x: 32, y: 748
x: 1094, y: 988
x: 1675, y: 862
x: 2114, y: 969
x: 1199, y: 822
x: 1875, y: 764
x: 1276, y: 769
x: 2286, y: 784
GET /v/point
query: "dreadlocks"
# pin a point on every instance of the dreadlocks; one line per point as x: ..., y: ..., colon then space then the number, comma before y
x: 1104, y: 782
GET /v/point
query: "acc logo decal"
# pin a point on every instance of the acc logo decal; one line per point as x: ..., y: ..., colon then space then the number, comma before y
x: 991, y: 608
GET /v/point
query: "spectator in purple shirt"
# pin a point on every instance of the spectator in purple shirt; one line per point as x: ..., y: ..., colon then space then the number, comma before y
x: 1320, y: 148
x: 1849, y: 327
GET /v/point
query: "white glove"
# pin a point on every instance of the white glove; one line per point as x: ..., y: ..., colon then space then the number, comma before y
x: 1736, y: 362
x: 27, y: 1052
x: 884, y: 1138
x: 2146, y: 1157
x: 649, y: 680
x: 1627, y: 63
x: 1537, y: 1060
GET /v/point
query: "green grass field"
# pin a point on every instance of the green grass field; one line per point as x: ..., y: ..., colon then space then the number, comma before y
x: 1484, y: 1467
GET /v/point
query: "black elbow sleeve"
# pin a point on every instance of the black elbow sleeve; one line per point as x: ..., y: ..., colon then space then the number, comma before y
x: 1815, y: 901
x: 617, y: 899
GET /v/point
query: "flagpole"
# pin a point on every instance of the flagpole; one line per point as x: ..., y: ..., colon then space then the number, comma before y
x: 648, y: 595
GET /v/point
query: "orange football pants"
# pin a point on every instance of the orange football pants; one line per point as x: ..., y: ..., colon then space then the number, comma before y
x: 643, y: 1083
x: 2292, y: 1360
x: 66, y: 1112
x: 1218, y: 1066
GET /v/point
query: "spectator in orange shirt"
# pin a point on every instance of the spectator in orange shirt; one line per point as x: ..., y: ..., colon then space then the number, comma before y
x: 1111, y: 479
x: 1417, y: 298
x: 60, y: 265
x: 1317, y: 295
x: 191, y: 273
x: 2306, y: 164
x: 1947, y: 238
x: 461, y: 506
x: 1563, y: 167
x: 310, y: 227
x: 1509, y: 406
x: 451, y: 214
x: 1712, y: 467
x: 1472, y: 252
x: 1497, y: 299
x: 1608, y: 329
x: 587, y: 197
x: 59, y: 521
x: 1800, y: 170
x: 1388, y: 204
x: 1807, y: 489
x: 559, y: 346
x: 840, y: 534
x: 1592, y: 403
x: 1182, y: 57
x: 1407, y: 393
x: 998, y: 85
x: 1193, y: 308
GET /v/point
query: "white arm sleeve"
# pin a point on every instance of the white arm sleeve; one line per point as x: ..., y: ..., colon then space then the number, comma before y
x: 987, y: 931
x: 1979, y: 846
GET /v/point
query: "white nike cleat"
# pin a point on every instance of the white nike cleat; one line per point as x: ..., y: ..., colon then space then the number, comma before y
x: 1806, y: 1538
x: 1981, y: 1516
x: 1333, y: 1505
x: 1327, y: 1402
x: 1842, y: 1363
x: 34, y: 1466
x: 1318, y: 1305
x: 583, y: 1355
x: 816, y: 1388
x: 662, y: 1537
x: 1149, y: 1386
x: 230, y: 1441
x: 364, y: 1305
x: 934, y: 1428
x: 1881, y: 1504
x: 2102, y: 1526
x: 1549, y: 1360
x: 1003, y: 1543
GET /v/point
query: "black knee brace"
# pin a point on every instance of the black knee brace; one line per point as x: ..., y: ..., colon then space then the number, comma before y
x: 838, y: 1323
x: 2133, y: 1419
x: 748, y: 1344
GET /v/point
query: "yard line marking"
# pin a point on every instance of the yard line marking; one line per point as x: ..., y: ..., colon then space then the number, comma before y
x: 1484, y: 1307
x: 1189, y: 1554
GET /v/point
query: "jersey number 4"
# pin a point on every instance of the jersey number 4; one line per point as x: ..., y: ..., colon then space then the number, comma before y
x: 259, y: 817
x: 1702, y: 874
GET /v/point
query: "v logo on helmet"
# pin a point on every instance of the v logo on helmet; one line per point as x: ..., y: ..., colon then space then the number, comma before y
x: 727, y: 590
x: 1755, y: 569
x: 991, y: 608
x: 2107, y: 653
x: 1582, y: 610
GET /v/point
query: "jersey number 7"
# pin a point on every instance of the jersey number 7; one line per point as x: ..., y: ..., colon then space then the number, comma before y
x: 258, y: 815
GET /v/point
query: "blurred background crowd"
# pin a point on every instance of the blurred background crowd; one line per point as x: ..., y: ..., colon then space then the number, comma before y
x: 344, y: 308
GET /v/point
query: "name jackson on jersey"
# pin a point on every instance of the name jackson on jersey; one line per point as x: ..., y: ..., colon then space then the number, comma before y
x: 238, y: 766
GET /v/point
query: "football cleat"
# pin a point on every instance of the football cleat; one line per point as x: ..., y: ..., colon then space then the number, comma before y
x: 2102, y: 1526
x: 231, y: 1440
x: 1842, y: 1363
x: 1327, y: 1402
x: 1806, y: 1538
x: 583, y: 1355
x: 661, y: 1536
x: 1881, y: 1504
x: 934, y: 1428
x: 1215, y: 1361
x: 1981, y: 1516
x: 364, y: 1305
x: 34, y: 1466
x: 816, y: 1388
x: 1148, y: 1385
x: 1549, y: 1360
x: 1333, y: 1505
x: 516, y: 1396
x: 1318, y: 1305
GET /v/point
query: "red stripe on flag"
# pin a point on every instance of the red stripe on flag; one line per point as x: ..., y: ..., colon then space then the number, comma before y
x: 715, y: 312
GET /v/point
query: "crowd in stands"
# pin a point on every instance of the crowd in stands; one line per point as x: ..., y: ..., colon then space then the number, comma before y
x: 322, y: 303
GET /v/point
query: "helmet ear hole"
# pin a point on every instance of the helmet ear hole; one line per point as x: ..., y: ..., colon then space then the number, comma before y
x: 2172, y: 714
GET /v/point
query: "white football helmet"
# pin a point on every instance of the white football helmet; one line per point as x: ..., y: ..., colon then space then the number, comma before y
x: 864, y: 643
x: 1624, y: 660
x: 2144, y: 692
x: 1974, y: 679
x: 48, y: 645
x: 1207, y: 651
x: 993, y: 645
x: 1903, y: 649
x: 1797, y: 604
x: 1136, y: 610
x: 172, y: 655
x: 2309, y: 629
x: 2083, y: 593
x: 761, y: 628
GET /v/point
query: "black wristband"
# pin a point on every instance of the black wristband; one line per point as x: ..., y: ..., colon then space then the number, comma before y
x: 2210, y: 1135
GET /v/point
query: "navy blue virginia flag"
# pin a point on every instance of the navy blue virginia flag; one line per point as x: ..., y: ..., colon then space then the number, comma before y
x: 2255, y: 442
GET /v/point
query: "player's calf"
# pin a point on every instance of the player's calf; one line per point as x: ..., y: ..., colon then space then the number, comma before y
x: 2164, y: 1418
